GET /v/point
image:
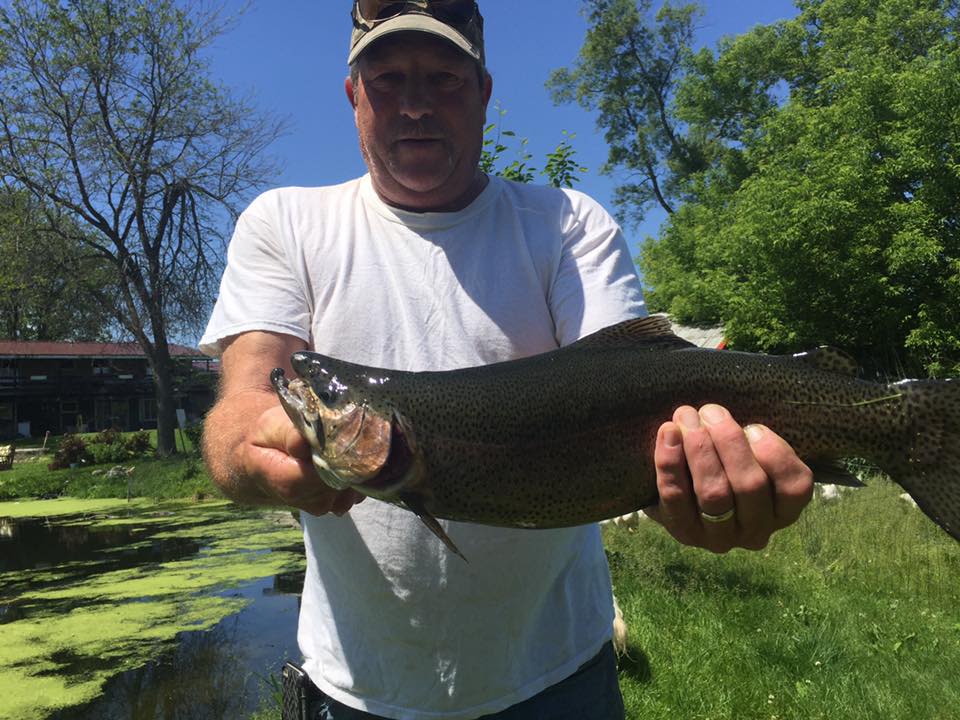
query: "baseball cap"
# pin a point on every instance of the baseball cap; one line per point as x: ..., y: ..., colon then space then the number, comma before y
x: 458, y: 21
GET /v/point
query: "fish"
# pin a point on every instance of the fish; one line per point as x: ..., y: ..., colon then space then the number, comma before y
x: 567, y: 437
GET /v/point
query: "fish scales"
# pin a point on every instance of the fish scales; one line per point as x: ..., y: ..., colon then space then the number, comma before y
x: 566, y: 437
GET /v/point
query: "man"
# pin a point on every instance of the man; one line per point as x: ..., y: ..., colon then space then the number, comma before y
x: 427, y: 263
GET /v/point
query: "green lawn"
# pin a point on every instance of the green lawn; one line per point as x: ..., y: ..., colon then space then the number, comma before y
x: 852, y: 613
x: 179, y: 476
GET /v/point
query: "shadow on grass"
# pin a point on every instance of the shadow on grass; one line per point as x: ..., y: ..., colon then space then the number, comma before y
x: 635, y: 664
x: 684, y: 576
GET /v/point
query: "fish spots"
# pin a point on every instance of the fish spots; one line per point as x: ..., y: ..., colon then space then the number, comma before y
x: 566, y: 437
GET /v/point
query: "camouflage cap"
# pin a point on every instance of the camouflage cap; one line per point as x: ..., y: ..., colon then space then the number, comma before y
x: 443, y: 18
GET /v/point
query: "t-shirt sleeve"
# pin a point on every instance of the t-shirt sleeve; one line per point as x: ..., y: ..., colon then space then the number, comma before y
x: 596, y: 283
x: 260, y: 288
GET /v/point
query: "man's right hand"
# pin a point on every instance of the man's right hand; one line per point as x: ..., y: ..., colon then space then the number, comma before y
x: 253, y: 451
x: 277, y: 457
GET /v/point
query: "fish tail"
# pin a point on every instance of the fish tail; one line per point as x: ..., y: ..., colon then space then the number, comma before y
x: 931, y: 471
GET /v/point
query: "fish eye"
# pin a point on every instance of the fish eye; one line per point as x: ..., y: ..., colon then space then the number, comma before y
x: 333, y: 393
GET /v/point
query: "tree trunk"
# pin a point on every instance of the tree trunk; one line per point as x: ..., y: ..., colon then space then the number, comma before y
x: 166, y: 410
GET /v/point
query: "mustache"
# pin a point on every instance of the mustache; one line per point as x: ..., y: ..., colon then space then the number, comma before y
x: 419, y: 130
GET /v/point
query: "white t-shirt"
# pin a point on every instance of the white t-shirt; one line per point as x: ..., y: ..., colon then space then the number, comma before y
x: 391, y: 621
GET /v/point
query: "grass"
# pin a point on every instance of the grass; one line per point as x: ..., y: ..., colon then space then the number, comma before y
x: 178, y: 476
x: 852, y: 613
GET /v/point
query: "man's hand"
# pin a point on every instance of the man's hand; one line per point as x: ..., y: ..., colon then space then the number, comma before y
x: 253, y: 451
x: 276, y: 457
x: 707, y: 465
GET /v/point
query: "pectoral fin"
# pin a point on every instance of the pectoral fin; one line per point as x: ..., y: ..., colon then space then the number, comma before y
x: 415, y: 504
x: 834, y: 473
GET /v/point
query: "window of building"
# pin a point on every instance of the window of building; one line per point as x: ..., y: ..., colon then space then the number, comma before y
x: 148, y: 408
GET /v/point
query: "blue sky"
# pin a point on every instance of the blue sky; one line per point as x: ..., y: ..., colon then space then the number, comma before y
x: 290, y: 56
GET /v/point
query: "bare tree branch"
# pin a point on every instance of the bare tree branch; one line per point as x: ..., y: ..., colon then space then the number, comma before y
x: 108, y: 115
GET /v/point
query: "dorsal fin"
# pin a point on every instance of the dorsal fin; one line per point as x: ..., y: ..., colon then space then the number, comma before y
x: 652, y: 330
x: 830, y: 359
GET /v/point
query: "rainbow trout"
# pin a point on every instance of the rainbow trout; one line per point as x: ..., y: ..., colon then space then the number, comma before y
x: 567, y: 437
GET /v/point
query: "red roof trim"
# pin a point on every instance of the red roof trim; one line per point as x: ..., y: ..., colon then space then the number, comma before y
x: 13, y: 348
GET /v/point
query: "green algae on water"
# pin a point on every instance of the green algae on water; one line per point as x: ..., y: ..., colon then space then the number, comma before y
x: 67, y: 506
x: 78, y: 624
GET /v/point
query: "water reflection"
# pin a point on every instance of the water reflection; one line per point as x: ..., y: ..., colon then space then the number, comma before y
x: 214, y: 675
x: 38, y: 543
x: 75, y: 551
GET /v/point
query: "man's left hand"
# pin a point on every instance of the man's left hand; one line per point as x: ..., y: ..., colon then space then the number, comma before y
x: 707, y: 466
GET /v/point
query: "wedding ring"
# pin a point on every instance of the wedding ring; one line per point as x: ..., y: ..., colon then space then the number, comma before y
x: 722, y: 517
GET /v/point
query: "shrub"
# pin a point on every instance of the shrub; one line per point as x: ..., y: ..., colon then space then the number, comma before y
x: 194, y: 433
x: 109, y: 436
x: 114, y: 453
x: 138, y: 443
x: 72, y: 451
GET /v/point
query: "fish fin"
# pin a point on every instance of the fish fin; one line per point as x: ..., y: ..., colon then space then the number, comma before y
x: 931, y: 471
x: 415, y: 504
x: 830, y: 359
x: 654, y: 330
x: 832, y: 473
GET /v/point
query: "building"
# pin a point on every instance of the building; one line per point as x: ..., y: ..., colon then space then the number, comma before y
x: 68, y: 387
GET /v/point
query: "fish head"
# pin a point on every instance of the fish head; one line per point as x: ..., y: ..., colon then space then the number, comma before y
x: 355, y: 442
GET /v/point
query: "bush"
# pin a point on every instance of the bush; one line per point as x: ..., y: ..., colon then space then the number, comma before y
x: 138, y: 443
x: 194, y: 433
x: 72, y: 451
x: 114, y: 453
x: 109, y: 436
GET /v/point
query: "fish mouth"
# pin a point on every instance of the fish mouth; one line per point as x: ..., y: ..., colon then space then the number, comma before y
x: 304, y: 410
x: 351, y: 445
x: 300, y: 403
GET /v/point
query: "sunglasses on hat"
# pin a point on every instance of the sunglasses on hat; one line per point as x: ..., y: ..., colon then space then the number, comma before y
x: 367, y: 14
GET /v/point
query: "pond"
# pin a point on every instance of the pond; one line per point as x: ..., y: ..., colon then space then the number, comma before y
x: 144, y: 610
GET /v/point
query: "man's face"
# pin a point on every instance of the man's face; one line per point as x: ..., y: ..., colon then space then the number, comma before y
x: 420, y: 108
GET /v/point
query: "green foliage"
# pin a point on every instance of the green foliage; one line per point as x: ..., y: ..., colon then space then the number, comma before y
x: 138, y: 443
x: 37, y: 265
x: 561, y: 165
x: 72, y: 450
x: 628, y: 71
x: 833, y: 217
x: 177, y: 477
x: 194, y: 433
x: 108, y: 436
x: 110, y: 446
x: 559, y: 169
x: 104, y: 454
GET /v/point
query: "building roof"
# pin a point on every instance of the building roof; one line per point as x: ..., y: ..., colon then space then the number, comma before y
x: 41, y: 349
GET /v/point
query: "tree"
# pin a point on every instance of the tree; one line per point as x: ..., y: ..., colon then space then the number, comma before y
x: 560, y: 166
x: 45, y: 283
x: 840, y: 222
x: 109, y: 118
x: 628, y: 71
